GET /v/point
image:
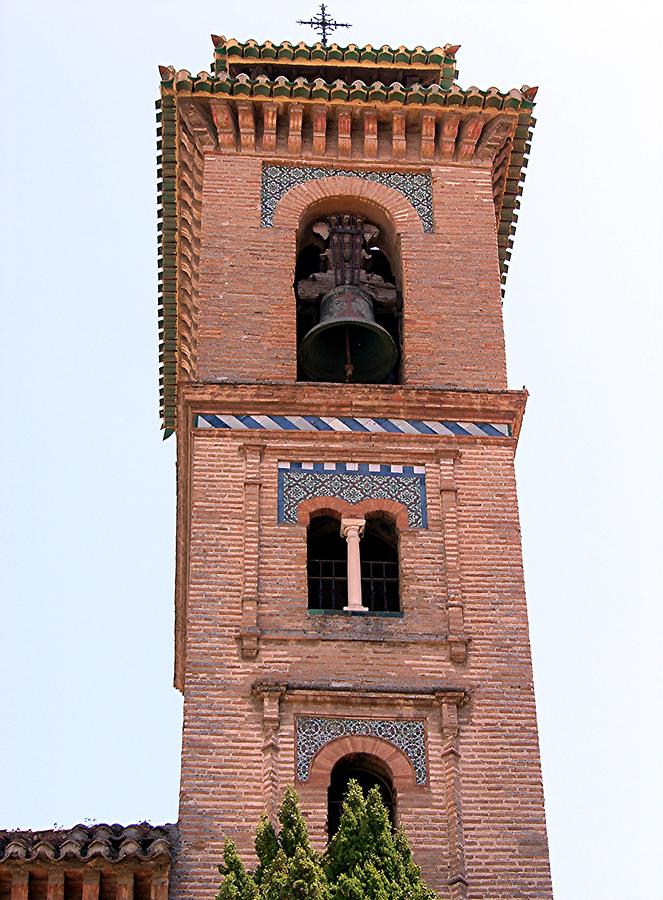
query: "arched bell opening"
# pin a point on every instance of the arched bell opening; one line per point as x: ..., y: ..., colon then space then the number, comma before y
x: 369, y: 772
x: 349, y: 303
x: 327, y: 567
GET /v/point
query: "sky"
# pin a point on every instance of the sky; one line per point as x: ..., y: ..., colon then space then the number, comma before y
x: 90, y: 723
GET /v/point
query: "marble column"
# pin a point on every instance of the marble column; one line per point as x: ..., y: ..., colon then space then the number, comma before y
x: 352, y: 530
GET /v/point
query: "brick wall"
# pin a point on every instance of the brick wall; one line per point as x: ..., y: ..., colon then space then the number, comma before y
x: 251, y: 657
x: 225, y: 777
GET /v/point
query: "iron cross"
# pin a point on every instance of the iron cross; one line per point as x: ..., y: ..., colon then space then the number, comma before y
x: 323, y: 25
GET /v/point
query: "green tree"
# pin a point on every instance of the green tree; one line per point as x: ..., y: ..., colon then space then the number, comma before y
x: 294, y: 832
x: 236, y: 883
x: 288, y: 868
x: 294, y: 870
x: 365, y: 859
x: 267, y: 847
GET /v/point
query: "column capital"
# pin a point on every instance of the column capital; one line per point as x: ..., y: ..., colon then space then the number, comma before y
x: 348, y: 526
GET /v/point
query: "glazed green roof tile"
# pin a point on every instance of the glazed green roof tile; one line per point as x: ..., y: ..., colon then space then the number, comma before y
x: 167, y: 265
x: 226, y: 49
x: 262, y: 87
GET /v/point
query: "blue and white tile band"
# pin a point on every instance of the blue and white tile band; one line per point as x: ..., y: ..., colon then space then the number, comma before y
x: 416, y: 187
x: 355, y: 424
x: 352, y: 482
x: 355, y: 468
x: 315, y: 732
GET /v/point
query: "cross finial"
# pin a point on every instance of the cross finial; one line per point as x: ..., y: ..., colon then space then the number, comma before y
x: 323, y: 25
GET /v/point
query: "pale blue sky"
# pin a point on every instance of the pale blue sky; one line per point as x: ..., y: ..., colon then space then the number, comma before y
x: 89, y: 718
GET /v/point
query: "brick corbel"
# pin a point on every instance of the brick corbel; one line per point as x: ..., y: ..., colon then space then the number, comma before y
x: 398, y: 139
x: 226, y: 126
x: 249, y: 632
x: 247, y: 125
x: 20, y: 884
x: 450, y: 125
x: 125, y: 885
x: 295, y: 116
x: 455, y: 609
x: 319, y: 130
x: 199, y: 124
x: 91, y: 879
x: 55, y: 885
x: 270, y: 693
x: 159, y: 886
x: 470, y: 132
x: 344, y: 125
x: 270, y: 115
x: 428, y: 125
x: 457, y: 874
x: 370, y: 134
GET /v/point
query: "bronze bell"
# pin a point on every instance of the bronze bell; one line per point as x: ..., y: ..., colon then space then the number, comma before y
x: 347, y: 344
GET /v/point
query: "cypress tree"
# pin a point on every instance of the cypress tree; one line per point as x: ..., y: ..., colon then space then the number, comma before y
x: 365, y: 859
x: 267, y: 846
x: 294, y: 832
x: 236, y: 883
x: 295, y: 870
x: 288, y: 868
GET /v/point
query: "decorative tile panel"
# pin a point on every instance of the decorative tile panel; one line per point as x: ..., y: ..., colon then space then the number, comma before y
x: 298, y: 481
x: 313, y: 732
x: 416, y: 187
x: 358, y: 424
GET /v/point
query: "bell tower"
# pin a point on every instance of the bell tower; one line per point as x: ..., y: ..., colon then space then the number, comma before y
x: 336, y: 229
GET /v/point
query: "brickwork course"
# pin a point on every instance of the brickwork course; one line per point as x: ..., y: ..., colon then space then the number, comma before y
x: 253, y: 662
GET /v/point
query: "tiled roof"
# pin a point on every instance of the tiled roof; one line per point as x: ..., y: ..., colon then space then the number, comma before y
x: 228, y: 51
x: 113, y: 843
x: 280, y: 88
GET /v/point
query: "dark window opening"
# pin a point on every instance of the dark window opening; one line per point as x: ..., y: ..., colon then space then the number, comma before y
x: 379, y: 566
x: 327, y: 564
x: 369, y: 772
x: 349, y: 306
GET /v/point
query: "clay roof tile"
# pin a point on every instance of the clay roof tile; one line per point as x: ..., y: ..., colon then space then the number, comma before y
x: 111, y: 842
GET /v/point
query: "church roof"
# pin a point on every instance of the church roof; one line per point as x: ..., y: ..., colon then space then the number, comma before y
x: 439, y: 64
x: 263, y: 87
x: 112, y: 843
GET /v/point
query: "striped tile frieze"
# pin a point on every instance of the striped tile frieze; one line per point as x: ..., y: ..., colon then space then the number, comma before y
x: 353, y: 482
x: 356, y: 424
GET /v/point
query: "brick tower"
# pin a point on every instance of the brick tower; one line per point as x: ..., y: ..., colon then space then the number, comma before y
x: 336, y: 224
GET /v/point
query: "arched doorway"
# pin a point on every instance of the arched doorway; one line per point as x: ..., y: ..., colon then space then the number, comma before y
x: 369, y: 772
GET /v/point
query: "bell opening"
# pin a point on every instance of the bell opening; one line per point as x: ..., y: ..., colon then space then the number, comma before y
x: 349, y: 307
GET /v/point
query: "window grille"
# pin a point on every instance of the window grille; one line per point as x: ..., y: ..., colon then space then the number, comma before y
x: 327, y: 583
x: 379, y: 585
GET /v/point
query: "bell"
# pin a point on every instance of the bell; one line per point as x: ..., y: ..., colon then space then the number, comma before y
x: 347, y: 344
